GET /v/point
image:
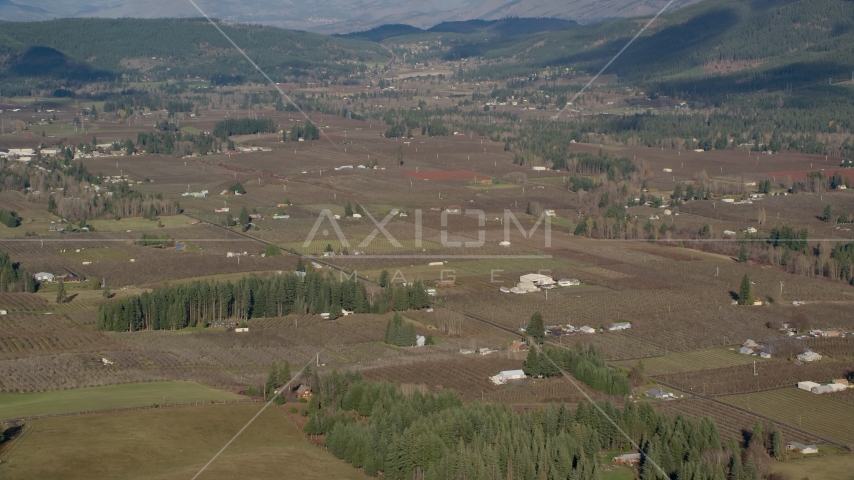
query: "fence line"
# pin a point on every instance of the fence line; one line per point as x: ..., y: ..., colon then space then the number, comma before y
x: 140, y: 407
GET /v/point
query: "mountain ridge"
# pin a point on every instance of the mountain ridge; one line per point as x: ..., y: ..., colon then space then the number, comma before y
x: 338, y: 16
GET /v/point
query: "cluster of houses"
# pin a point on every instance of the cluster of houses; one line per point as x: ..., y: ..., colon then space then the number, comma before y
x: 65, y: 277
x: 837, y: 385
x: 534, y: 282
x: 567, y: 329
x: 749, y: 347
x: 748, y: 230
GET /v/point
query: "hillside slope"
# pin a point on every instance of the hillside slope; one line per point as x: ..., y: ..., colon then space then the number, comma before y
x: 82, y: 49
x: 718, y: 45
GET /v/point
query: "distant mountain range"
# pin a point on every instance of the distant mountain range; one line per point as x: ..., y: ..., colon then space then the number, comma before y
x: 336, y: 16
x: 506, y: 27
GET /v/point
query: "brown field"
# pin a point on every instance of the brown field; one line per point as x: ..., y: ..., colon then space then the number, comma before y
x: 447, y: 175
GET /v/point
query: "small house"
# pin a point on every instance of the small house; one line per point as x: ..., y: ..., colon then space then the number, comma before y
x: 745, y: 351
x: 420, y: 341
x: 750, y: 344
x: 242, y: 329
x: 800, y: 447
x: 809, y: 356
x: 628, y: 459
x: 658, y: 393
x: 587, y: 329
x: 764, y: 354
x: 550, y: 213
x: 518, y: 346
x: 304, y: 392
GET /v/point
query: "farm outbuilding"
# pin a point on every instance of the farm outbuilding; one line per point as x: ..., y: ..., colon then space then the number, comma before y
x: 620, y: 326
x: 506, y: 375
x: 808, y: 386
x: 586, y: 329
x: 628, y: 459
x: 829, y: 388
x: 800, y: 447
x: 44, y: 277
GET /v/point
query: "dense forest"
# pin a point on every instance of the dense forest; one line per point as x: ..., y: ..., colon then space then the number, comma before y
x: 200, y: 303
x: 376, y: 427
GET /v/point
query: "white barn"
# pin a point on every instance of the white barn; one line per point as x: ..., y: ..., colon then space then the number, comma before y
x: 506, y: 375
x: 44, y: 277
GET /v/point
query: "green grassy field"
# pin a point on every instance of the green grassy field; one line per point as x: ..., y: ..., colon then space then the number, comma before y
x: 692, y: 361
x: 828, y: 467
x: 14, y: 405
x: 98, y: 254
x: 819, y: 414
x: 170, y: 443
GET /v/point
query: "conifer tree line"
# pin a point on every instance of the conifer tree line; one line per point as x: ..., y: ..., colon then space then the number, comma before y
x: 201, y: 302
x: 587, y: 367
x: 377, y: 428
x: 242, y: 126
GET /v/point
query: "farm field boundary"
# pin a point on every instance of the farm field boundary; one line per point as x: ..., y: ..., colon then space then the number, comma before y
x: 705, y: 359
x: 823, y: 414
x: 128, y: 409
x: 760, y: 415
x: 76, y: 400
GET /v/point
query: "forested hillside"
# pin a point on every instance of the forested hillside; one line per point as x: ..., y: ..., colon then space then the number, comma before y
x: 88, y: 49
x: 713, y: 48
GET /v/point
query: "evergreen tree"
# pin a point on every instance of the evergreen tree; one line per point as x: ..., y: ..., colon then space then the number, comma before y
x: 300, y: 267
x: 536, y: 329
x: 272, y: 382
x: 745, y: 293
x: 348, y: 210
x: 60, y: 292
x: 776, y: 448
x: 385, y: 278
x: 532, y: 363
x: 244, y: 216
x: 742, y: 253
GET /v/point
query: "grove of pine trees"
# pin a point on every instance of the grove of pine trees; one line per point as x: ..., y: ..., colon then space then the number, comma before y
x: 375, y: 427
x: 202, y: 302
x: 399, y: 332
